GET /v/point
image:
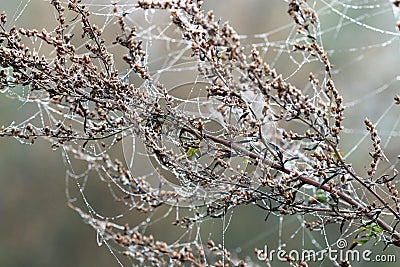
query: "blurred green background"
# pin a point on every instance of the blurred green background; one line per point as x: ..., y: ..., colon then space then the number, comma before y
x: 38, y: 229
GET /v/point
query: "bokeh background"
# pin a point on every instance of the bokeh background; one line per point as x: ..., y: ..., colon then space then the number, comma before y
x: 38, y: 229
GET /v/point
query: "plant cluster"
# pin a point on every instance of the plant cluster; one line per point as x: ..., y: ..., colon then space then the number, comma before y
x: 90, y: 105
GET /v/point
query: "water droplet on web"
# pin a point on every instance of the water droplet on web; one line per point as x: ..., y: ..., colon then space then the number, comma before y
x: 99, y: 238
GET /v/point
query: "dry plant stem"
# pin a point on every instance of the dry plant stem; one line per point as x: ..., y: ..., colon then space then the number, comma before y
x: 100, y: 104
x: 347, y: 168
x: 352, y: 202
x: 305, y: 179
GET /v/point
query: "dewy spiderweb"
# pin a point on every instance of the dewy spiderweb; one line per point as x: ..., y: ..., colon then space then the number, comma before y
x: 206, y: 129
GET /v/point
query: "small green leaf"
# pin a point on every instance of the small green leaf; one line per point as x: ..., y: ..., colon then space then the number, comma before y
x: 367, y: 232
x: 322, y: 196
x: 191, y: 152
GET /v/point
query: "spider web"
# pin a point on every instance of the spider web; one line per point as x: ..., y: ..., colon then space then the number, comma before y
x: 362, y: 42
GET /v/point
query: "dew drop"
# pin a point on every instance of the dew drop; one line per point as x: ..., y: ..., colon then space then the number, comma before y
x: 99, y: 238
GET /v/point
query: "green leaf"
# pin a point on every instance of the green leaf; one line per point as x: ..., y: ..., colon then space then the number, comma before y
x: 191, y: 151
x: 322, y: 196
x: 367, y: 232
